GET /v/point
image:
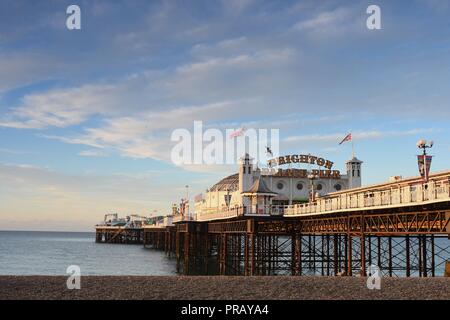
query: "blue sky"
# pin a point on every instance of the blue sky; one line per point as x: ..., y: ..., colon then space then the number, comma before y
x: 86, y: 116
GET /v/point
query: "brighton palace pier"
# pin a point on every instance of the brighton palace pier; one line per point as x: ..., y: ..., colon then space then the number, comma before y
x: 296, y: 221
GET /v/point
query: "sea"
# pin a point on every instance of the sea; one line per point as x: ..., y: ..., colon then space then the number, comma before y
x: 51, y: 253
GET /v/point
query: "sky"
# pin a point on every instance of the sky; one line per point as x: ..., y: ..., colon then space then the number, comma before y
x: 86, y: 115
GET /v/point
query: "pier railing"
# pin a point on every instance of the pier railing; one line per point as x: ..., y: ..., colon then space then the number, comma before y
x: 222, y: 213
x: 395, y: 194
x: 181, y: 218
x: 239, y: 211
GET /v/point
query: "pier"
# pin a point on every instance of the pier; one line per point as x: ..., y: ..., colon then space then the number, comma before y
x: 402, y: 227
x: 124, y: 235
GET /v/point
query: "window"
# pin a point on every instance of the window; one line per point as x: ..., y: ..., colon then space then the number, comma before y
x: 244, y: 169
x: 337, y: 187
x: 280, y: 185
x: 319, y: 187
x: 299, y: 186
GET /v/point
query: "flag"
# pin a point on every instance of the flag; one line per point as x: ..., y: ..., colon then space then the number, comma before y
x: 424, y: 162
x: 237, y: 133
x: 347, y: 138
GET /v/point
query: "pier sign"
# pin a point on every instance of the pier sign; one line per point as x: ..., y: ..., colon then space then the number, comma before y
x: 301, y: 158
x: 327, y: 173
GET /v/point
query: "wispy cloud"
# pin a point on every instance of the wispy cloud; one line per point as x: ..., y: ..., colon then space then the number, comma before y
x: 11, y: 151
x: 341, y: 21
x: 92, y: 153
x: 357, y: 135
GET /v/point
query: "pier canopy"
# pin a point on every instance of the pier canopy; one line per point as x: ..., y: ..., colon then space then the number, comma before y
x: 260, y: 197
x: 259, y: 187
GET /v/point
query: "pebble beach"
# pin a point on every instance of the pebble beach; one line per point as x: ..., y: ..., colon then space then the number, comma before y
x: 222, y: 288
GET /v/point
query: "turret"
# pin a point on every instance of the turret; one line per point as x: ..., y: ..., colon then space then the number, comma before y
x: 354, y: 172
x: 245, y: 175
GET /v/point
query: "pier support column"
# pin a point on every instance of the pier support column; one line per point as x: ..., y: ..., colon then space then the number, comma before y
x: 250, y: 254
x: 335, y: 254
x: 408, y: 256
x: 424, y: 255
x: 363, y: 247
x: 433, y: 264
x: 328, y: 255
x: 390, y: 255
x: 349, y: 255
x: 296, y: 254
x: 223, y: 251
x: 178, y: 249
x: 186, y: 253
x: 363, y: 255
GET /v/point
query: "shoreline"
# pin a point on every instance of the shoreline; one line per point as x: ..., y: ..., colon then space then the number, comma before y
x: 221, y: 288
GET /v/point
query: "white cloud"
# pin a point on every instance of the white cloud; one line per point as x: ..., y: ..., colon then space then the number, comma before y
x: 62, y: 107
x: 92, y: 153
x: 209, y: 81
x: 340, y: 21
x: 147, y: 135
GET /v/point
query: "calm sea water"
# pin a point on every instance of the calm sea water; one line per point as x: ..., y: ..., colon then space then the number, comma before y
x: 50, y: 253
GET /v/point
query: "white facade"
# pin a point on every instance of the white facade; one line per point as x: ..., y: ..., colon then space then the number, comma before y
x: 291, y: 186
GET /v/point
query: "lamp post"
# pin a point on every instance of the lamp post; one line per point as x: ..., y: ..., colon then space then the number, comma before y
x: 227, y: 198
x: 422, y: 144
x: 187, y: 202
x: 424, y: 160
x: 311, y: 178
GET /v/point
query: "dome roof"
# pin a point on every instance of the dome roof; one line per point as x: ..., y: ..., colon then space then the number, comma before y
x: 228, y: 183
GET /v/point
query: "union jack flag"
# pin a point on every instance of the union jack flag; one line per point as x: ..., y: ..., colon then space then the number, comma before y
x: 237, y: 133
x: 347, y: 138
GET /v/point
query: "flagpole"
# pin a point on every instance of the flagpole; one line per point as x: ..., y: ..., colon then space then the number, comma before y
x: 353, y: 146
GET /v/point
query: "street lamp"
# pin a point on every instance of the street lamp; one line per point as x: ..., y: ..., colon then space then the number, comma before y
x: 311, y: 178
x: 187, y: 202
x: 227, y: 198
x: 422, y: 144
x: 424, y: 160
